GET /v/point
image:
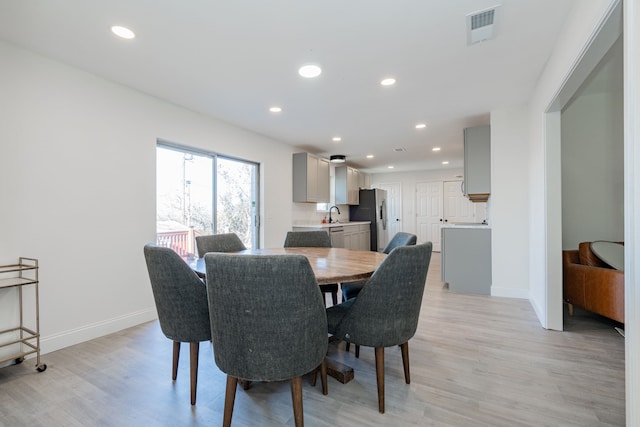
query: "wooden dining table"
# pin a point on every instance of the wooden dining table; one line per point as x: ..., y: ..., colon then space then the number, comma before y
x: 330, y: 265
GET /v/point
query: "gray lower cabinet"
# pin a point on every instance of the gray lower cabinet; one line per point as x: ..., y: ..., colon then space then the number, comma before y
x: 466, y: 259
x: 357, y: 237
x: 344, y: 235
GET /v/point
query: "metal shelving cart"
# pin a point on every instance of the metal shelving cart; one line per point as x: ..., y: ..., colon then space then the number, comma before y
x: 25, y: 273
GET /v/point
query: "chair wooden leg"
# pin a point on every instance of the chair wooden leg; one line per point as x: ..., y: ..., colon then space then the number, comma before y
x: 570, y: 307
x: 229, y: 400
x: 348, y: 346
x: 194, y: 348
x: 323, y: 377
x: 405, y: 361
x: 334, y: 297
x: 296, y: 398
x: 380, y: 377
x: 176, y: 356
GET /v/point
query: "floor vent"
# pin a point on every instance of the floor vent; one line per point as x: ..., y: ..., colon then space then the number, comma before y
x: 480, y: 25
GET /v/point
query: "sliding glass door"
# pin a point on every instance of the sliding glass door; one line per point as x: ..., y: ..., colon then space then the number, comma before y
x: 202, y: 193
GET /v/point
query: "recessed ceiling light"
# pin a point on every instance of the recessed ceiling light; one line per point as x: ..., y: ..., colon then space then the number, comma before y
x: 309, y: 71
x: 389, y: 81
x: 123, y: 32
x: 369, y: 156
x: 435, y: 149
x: 445, y: 162
x: 390, y: 167
x: 421, y: 126
x: 275, y: 109
x: 336, y: 139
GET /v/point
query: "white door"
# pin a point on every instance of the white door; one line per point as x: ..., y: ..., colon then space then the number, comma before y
x: 394, y: 208
x: 429, y: 212
x: 457, y: 208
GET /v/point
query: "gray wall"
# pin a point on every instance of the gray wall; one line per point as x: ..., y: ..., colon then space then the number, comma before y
x: 593, y: 155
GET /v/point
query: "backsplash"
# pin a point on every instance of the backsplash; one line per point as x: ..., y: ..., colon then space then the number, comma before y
x: 306, y: 213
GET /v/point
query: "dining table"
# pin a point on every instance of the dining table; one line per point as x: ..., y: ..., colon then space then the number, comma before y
x: 330, y: 265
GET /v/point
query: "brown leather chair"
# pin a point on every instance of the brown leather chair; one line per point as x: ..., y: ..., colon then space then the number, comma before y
x: 590, y: 283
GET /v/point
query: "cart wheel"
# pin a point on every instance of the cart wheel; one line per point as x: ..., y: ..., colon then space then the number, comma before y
x: 41, y: 367
x: 19, y: 360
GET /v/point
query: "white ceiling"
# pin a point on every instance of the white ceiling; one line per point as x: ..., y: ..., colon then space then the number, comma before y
x: 234, y: 59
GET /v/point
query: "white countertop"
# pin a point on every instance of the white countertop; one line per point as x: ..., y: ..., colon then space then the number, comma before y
x: 335, y: 224
x: 464, y: 225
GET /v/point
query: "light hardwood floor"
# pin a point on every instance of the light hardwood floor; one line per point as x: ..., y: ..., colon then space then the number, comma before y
x: 475, y: 361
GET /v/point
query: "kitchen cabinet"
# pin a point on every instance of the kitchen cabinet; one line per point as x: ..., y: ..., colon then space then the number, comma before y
x: 477, y: 163
x: 465, y: 259
x: 350, y: 235
x: 311, y: 180
x: 346, y: 185
x: 364, y: 180
x: 357, y: 237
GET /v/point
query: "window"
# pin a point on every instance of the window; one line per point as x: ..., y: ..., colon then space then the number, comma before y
x: 201, y: 193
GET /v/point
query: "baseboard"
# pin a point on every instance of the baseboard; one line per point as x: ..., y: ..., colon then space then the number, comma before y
x: 75, y: 336
x: 509, y: 292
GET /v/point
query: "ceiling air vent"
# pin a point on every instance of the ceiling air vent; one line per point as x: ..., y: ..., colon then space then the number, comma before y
x: 480, y: 25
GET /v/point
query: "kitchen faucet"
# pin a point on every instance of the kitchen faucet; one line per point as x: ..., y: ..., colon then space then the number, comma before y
x: 330, y: 220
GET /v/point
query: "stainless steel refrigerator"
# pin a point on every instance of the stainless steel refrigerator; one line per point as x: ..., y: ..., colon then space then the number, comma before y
x: 373, y: 207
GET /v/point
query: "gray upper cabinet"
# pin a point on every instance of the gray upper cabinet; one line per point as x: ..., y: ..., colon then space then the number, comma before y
x: 477, y: 163
x: 311, y: 180
x: 347, y: 189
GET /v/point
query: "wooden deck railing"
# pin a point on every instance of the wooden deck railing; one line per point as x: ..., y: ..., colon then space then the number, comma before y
x: 183, y: 242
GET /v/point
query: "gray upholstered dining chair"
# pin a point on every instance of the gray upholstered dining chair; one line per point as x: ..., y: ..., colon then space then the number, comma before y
x: 268, y: 322
x: 313, y: 239
x: 307, y: 239
x: 350, y: 290
x: 181, y: 302
x: 227, y: 242
x: 386, y: 311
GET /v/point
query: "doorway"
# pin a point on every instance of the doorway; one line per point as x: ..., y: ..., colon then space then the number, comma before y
x: 442, y: 202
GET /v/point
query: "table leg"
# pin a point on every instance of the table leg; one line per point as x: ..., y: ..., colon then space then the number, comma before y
x: 335, y: 368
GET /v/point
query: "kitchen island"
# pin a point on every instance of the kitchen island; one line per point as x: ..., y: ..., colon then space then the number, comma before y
x: 466, y: 258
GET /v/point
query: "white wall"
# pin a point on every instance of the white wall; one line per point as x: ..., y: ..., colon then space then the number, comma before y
x: 408, y: 181
x: 509, y: 203
x: 593, y: 157
x: 77, y: 179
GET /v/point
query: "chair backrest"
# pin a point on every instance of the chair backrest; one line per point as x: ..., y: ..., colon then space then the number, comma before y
x: 400, y: 239
x: 268, y: 318
x: 307, y: 239
x: 180, y: 296
x: 386, y: 311
x: 227, y: 242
